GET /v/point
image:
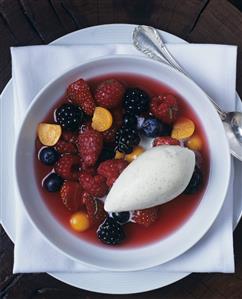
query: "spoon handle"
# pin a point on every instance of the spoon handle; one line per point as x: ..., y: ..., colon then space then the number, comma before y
x: 147, y: 40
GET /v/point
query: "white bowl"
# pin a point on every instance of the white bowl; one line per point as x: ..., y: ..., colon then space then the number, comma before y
x: 113, y: 258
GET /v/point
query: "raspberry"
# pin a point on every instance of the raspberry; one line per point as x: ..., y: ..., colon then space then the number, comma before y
x: 90, y: 143
x: 88, y: 169
x: 145, y: 217
x: 165, y: 140
x: 95, y: 209
x: 71, y: 195
x: 85, y: 197
x: 80, y: 94
x: 68, y: 166
x: 109, y: 93
x: 111, y: 169
x: 69, y: 136
x: 164, y: 107
x: 94, y: 185
x: 64, y: 147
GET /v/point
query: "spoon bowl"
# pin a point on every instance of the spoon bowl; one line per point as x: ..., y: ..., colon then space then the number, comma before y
x: 235, y: 119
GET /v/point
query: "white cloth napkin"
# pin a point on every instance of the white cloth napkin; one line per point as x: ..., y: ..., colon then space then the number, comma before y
x: 213, y: 67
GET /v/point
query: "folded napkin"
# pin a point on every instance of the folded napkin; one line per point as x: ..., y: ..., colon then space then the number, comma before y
x: 213, y: 67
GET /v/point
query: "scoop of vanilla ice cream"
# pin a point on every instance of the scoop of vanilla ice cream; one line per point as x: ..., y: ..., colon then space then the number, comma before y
x: 155, y: 177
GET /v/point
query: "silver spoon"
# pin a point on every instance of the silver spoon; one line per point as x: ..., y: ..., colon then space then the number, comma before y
x: 147, y: 40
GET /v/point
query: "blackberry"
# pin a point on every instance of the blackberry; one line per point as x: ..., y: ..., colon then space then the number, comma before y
x: 107, y: 153
x: 136, y: 101
x: 110, y: 232
x: 195, y: 182
x: 48, y: 155
x: 125, y: 139
x: 121, y: 217
x: 165, y: 129
x: 69, y: 116
x: 130, y: 120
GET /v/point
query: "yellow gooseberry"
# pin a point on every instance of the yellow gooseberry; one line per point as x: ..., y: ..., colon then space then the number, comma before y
x: 80, y: 222
x: 102, y: 119
x: 182, y: 128
x: 49, y: 134
x: 137, y: 151
x: 119, y: 155
x: 194, y: 142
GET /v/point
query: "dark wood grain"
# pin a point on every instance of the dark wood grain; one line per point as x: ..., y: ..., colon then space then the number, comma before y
x: 222, y: 26
x: 29, y: 22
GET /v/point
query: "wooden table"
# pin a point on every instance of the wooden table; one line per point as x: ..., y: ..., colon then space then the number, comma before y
x: 29, y: 22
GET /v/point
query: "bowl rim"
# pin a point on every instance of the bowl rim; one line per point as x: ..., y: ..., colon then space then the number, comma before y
x: 227, y: 160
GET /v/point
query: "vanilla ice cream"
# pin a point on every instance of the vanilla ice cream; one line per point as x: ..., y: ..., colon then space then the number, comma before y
x: 155, y: 177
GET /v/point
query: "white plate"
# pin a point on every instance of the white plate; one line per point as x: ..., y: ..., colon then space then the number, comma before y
x: 107, y: 282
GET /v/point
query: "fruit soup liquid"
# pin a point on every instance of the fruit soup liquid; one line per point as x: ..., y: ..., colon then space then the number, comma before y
x: 172, y: 214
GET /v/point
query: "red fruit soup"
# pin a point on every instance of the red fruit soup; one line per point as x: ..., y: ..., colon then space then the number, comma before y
x: 173, y: 214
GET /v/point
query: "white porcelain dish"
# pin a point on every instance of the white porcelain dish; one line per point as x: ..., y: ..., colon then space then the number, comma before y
x: 158, y: 252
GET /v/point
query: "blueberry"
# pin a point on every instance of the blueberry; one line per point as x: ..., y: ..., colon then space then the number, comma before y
x: 53, y: 182
x: 121, y: 217
x: 48, y: 155
x: 195, y: 182
x: 151, y: 127
x: 130, y: 120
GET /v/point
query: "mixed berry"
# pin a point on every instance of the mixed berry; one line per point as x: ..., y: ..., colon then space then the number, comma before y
x: 126, y: 139
x: 93, y: 136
